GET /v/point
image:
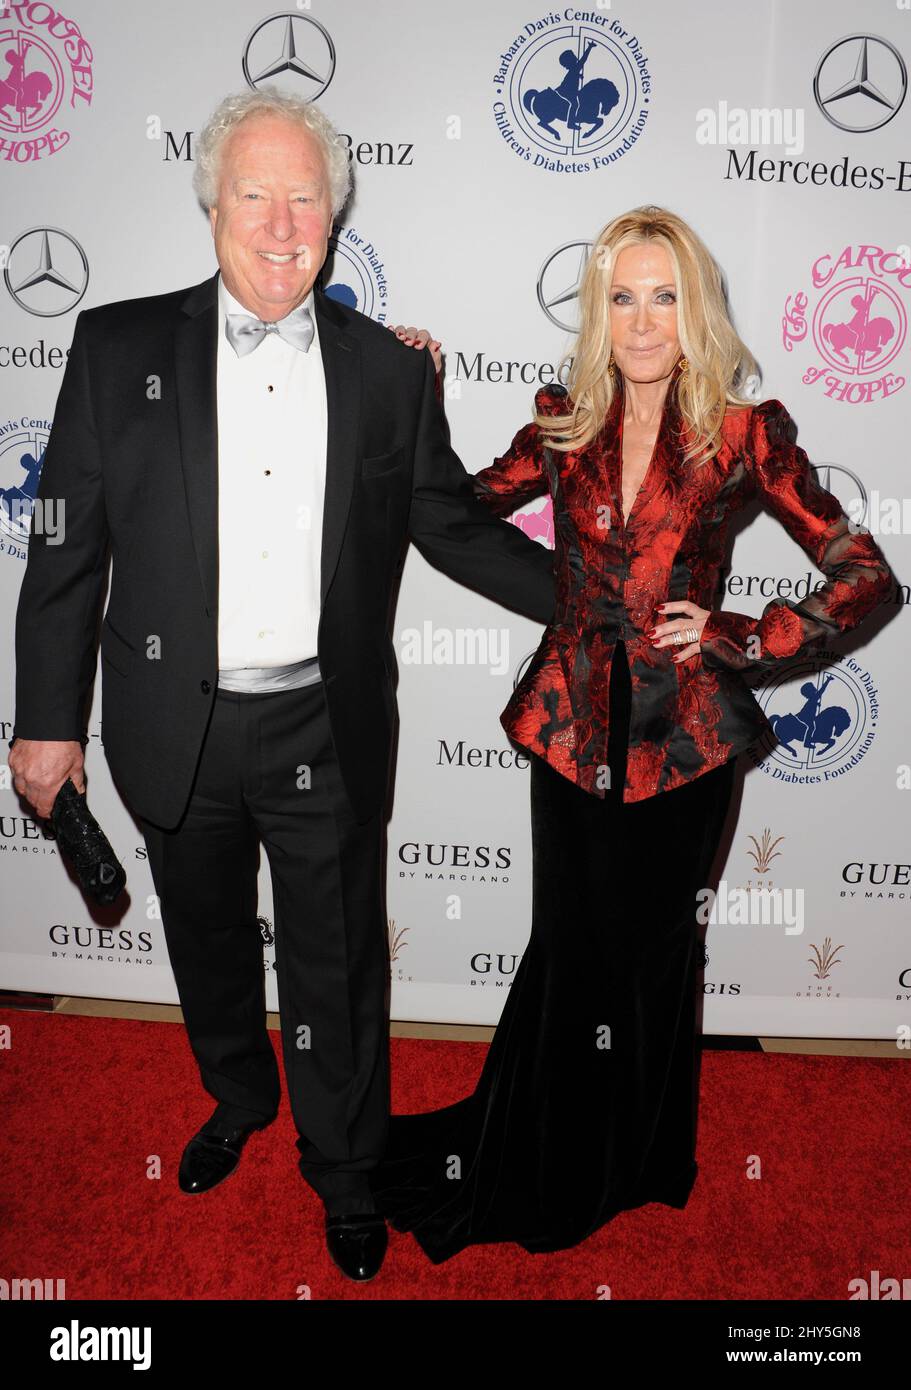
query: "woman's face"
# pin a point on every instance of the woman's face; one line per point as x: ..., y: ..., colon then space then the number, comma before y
x: 643, y: 313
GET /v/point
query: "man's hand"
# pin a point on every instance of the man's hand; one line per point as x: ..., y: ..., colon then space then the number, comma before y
x: 418, y: 338
x: 41, y: 766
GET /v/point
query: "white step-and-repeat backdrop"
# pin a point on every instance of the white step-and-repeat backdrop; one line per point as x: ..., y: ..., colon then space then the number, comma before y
x: 780, y: 131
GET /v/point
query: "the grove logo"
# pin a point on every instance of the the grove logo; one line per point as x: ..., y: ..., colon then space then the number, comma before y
x: 823, y: 958
x: 397, y: 942
x: 764, y: 850
x: 856, y: 318
x: 398, y: 973
x: 572, y: 91
x: 45, y: 64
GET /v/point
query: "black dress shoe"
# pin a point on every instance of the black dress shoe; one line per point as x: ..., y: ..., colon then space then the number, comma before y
x: 357, y: 1244
x: 210, y: 1158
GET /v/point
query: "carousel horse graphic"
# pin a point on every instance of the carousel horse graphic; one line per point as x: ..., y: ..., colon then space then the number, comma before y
x: 860, y: 335
x: 26, y: 95
x: 18, y: 503
x: 536, y: 525
x: 574, y: 103
x: 811, y: 727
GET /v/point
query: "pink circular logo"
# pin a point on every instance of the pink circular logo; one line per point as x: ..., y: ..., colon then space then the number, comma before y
x: 858, y: 324
x: 43, y: 59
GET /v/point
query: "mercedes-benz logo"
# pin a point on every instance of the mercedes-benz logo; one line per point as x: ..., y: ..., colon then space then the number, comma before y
x: 558, y: 284
x: 46, y: 272
x: 860, y: 82
x: 276, y: 46
x: 855, y: 493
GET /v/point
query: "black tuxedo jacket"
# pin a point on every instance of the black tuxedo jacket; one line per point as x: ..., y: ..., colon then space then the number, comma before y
x: 133, y: 458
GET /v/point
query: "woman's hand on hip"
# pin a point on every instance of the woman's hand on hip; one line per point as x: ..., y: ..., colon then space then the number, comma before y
x: 692, y: 617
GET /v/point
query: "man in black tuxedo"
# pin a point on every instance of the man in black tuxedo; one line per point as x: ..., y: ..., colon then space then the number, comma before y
x: 256, y: 456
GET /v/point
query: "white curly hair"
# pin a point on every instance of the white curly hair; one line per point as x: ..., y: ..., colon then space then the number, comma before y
x: 237, y: 107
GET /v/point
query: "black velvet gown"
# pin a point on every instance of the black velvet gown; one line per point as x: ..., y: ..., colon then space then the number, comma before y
x: 586, y: 1105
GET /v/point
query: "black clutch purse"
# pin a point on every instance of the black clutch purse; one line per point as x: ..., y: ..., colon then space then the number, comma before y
x: 85, y: 845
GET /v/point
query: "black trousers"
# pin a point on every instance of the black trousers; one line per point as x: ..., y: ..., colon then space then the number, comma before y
x: 268, y: 774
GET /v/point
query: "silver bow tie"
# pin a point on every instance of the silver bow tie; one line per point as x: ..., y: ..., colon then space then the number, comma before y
x: 244, y: 332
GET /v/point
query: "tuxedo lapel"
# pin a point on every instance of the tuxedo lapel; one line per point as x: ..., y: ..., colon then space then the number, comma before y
x: 195, y: 363
x: 342, y: 370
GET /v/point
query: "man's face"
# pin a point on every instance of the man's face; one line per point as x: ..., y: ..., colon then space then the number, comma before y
x: 272, y: 220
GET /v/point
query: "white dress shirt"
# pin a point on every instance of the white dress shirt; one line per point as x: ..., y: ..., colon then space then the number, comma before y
x: 272, y: 425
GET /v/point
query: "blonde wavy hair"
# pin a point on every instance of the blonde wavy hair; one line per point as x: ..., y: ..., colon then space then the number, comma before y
x: 719, y: 364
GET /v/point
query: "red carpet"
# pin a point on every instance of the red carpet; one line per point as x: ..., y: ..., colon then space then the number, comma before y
x: 90, y: 1105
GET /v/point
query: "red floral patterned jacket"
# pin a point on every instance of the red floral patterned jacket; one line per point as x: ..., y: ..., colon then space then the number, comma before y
x: 689, y: 717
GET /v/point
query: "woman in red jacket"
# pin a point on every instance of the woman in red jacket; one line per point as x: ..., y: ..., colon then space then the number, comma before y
x: 635, y: 706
